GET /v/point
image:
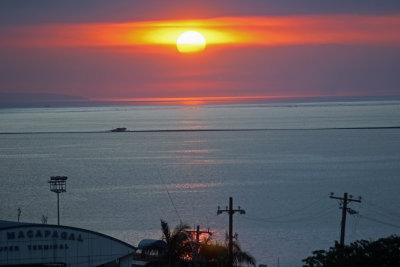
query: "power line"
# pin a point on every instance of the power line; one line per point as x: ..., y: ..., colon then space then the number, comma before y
x: 393, y: 205
x: 169, y: 196
x: 309, y: 217
x: 294, y: 211
x: 382, y: 211
x: 379, y: 221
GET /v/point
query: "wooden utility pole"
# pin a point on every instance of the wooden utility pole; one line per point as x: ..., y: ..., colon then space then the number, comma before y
x: 344, y: 200
x: 230, y: 211
x: 198, y: 232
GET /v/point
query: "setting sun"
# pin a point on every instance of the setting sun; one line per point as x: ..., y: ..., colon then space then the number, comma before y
x: 191, y: 42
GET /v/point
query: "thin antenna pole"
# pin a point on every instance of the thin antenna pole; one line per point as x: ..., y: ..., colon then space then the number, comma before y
x: 19, y: 213
x: 58, y: 208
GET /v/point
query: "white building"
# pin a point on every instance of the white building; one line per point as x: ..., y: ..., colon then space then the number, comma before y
x: 42, y: 244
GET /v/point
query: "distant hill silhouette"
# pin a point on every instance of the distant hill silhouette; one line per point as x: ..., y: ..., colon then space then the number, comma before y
x: 21, y: 99
x: 39, y: 97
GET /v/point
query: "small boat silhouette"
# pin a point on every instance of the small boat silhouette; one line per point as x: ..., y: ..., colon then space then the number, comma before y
x: 122, y: 129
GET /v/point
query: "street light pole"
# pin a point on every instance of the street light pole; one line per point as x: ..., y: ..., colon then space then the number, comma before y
x: 58, y: 184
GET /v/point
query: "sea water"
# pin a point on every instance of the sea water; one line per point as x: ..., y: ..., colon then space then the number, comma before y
x: 279, y: 162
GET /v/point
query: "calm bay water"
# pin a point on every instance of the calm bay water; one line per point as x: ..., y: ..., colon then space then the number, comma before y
x: 280, y: 165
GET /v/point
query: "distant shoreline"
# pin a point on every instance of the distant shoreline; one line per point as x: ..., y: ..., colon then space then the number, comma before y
x: 211, y: 130
x: 196, y: 101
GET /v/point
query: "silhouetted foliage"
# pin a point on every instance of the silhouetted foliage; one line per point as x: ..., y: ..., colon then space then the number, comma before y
x: 384, y: 252
x: 178, y: 245
x: 181, y: 250
x: 217, y: 255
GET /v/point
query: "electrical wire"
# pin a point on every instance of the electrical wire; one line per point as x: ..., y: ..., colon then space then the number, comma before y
x: 385, y: 208
x: 310, y: 217
x: 379, y: 221
x: 295, y: 211
x: 169, y: 196
x: 382, y: 211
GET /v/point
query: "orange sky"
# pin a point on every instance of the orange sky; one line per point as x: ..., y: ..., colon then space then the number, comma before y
x: 263, y: 31
x: 246, y: 57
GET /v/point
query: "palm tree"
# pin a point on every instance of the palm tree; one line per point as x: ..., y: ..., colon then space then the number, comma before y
x: 217, y: 255
x: 214, y: 255
x: 178, y: 243
x: 240, y: 256
x: 180, y: 249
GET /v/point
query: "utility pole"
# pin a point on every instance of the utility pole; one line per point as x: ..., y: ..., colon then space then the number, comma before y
x: 344, y: 201
x: 198, y: 232
x: 230, y: 211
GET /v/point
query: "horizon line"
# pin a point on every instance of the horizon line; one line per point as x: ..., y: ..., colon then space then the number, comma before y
x: 188, y: 101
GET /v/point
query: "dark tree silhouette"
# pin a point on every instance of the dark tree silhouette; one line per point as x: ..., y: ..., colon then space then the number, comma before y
x: 217, y: 255
x: 180, y: 250
x: 384, y: 252
x: 178, y: 245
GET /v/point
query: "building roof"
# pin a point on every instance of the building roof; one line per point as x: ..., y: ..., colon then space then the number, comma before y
x: 152, y: 243
x: 9, y: 225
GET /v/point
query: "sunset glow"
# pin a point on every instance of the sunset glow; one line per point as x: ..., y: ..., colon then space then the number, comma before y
x: 239, y: 54
x: 164, y: 114
x: 259, y: 31
x: 193, y: 100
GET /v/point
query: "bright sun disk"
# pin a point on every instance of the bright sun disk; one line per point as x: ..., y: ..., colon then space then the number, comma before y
x: 191, y: 42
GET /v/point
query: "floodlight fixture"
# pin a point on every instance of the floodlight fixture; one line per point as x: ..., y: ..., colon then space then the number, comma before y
x: 58, y: 184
